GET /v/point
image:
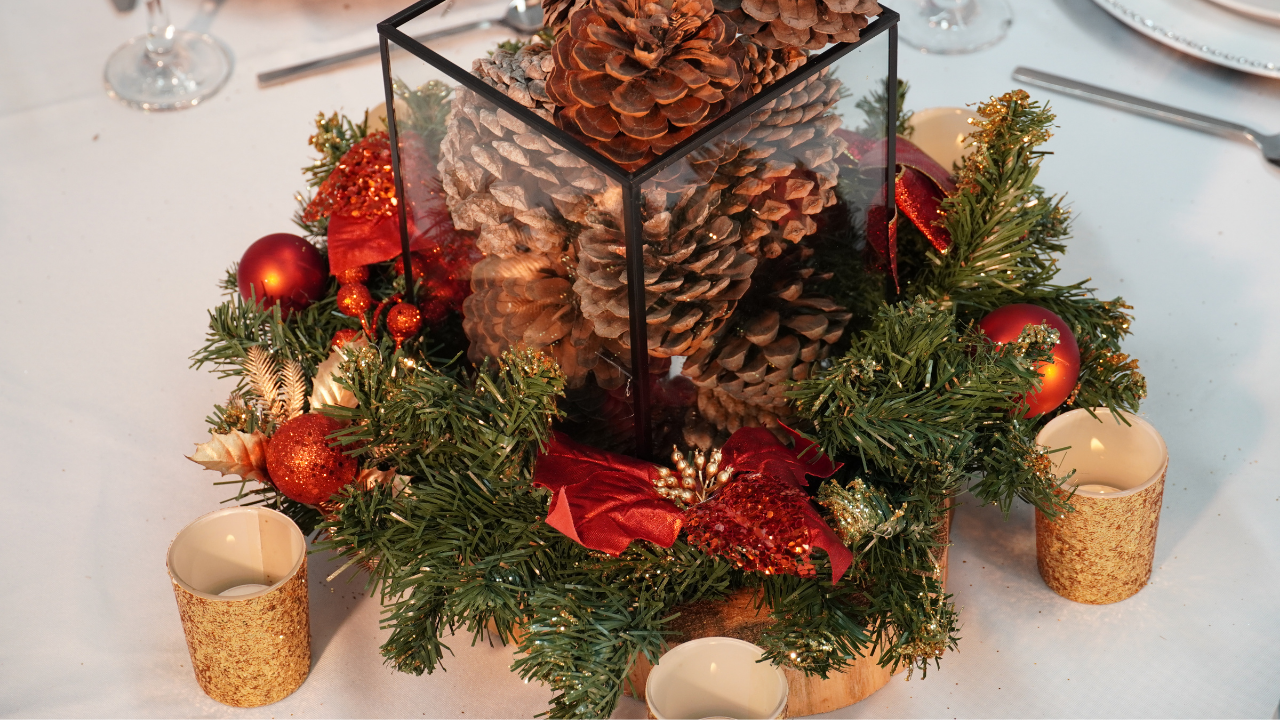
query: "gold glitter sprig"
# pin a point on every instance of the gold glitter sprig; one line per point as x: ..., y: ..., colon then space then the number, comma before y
x: 931, y: 638
x: 1011, y: 119
x: 293, y: 389
x: 860, y: 511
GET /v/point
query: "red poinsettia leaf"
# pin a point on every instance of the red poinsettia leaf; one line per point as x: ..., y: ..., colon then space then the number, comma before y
x: 602, y: 500
x: 757, y: 450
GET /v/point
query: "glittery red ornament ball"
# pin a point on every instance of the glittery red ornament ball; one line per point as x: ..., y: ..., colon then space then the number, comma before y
x: 342, y: 337
x: 354, y: 300
x: 352, y: 276
x: 301, y: 463
x: 404, y: 321
x: 1058, y: 378
x: 282, y: 268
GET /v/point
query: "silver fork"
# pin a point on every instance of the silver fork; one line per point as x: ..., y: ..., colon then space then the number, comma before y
x: 1268, y: 144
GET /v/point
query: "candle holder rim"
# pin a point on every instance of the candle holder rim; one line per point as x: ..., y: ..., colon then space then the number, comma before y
x: 286, y: 577
x: 686, y: 647
x: 1134, y: 421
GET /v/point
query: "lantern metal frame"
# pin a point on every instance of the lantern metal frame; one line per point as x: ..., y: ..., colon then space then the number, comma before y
x: 632, y: 182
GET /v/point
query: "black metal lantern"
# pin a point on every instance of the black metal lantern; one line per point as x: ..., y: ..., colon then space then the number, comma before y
x: 680, y: 296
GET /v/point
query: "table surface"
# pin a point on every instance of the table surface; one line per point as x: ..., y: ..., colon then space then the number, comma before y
x: 115, y: 227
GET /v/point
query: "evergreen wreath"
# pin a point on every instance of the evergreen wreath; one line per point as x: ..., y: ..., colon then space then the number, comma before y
x: 917, y: 403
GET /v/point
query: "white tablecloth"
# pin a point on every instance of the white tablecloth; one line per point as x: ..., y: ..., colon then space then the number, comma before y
x: 115, y: 227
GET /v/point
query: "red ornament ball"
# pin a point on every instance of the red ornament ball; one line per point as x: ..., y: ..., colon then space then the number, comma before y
x: 419, y: 261
x: 284, y: 269
x: 301, y: 463
x: 354, y: 300
x: 1057, y: 378
x: 404, y: 321
x: 342, y: 337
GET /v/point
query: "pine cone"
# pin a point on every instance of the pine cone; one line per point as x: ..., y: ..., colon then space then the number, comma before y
x: 635, y: 79
x: 556, y: 13
x: 525, y: 300
x: 521, y: 75
x: 785, y: 172
x: 732, y: 9
x: 776, y: 336
x: 498, y: 174
x: 808, y: 24
x: 748, y: 193
x: 695, y: 270
x: 766, y: 66
x: 507, y: 181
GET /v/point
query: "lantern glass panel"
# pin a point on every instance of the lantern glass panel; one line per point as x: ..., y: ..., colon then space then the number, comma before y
x: 679, y: 298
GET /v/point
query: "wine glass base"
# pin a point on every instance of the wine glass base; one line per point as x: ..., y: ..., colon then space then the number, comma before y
x: 195, y: 68
x: 954, y: 28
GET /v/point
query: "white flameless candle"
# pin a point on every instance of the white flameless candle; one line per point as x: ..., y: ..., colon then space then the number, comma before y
x: 1102, y: 551
x: 943, y: 134
x: 239, y: 590
x: 239, y: 576
x: 715, y: 677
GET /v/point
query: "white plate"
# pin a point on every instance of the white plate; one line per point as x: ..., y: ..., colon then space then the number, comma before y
x: 1265, y: 9
x: 1205, y: 31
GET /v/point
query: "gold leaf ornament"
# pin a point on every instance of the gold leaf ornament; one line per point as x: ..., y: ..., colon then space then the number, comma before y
x: 235, y: 453
x: 325, y: 389
x: 373, y: 477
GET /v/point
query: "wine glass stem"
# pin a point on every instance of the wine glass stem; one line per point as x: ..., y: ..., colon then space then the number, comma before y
x: 159, y: 30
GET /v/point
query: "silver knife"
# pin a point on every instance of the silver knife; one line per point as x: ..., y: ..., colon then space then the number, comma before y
x: 524, y: 21
x: 1268, y: 144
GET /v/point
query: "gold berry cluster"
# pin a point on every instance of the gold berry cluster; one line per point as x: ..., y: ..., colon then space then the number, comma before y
x: 696, y: 481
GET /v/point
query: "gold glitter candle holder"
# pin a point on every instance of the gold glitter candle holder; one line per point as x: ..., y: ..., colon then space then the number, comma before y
x: 240, y: 578
x: 1103, y: 551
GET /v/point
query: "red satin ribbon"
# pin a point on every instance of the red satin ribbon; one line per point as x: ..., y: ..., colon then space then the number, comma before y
x: 604, y: 501
x: 920, y: 187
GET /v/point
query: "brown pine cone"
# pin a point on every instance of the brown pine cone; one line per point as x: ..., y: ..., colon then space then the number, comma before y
x: 766, y: 66
x: 776, y: 336
x: 785, y: 172
x: 786, y: 176
x: 522, y: 75
x: 525, y: 300
x: 498, y: 174
x: 634, y: 79
x: 695, y: 270
x: 752, y: 194
x: 508, y: 182
x: 808, y: 24
x: 556, y: 13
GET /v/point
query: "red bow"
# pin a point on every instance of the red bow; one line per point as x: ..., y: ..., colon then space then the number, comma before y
x: 762, y: 519
x: 920, y: 187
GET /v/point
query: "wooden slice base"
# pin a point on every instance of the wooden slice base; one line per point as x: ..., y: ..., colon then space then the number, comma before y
x: 738, y: 617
